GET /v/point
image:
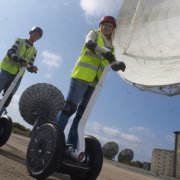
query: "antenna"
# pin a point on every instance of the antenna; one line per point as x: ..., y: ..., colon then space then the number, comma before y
x: 147, y: 39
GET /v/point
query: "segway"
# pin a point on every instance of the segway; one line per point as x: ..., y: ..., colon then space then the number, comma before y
x: 5, y: 120
x: 48, y: 152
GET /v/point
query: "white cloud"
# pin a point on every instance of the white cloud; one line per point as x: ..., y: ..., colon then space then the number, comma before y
x: 48, y: 75
x: 111, y: 132
x: 141, y: 130
x: 51, y: 60
x: 100, y: 7
x: 108, y: 133
x: 130, y: 137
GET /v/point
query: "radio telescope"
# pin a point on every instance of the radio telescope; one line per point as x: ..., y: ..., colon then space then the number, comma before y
x: 126, y: 155
x: 147, y: 39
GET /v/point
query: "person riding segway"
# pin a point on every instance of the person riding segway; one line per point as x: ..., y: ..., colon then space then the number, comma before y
x: 19, y: 57
x: 80, y: 156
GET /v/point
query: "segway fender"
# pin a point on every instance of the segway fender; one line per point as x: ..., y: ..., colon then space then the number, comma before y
x: 5, y: 129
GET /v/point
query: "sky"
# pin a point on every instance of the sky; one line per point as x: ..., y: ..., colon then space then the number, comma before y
x: 134, y: 119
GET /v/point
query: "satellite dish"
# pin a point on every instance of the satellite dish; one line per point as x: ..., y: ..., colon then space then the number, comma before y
x: 147, y: 39
x: 126, y: 155
x: 40, y: 100
x: 110, y: 149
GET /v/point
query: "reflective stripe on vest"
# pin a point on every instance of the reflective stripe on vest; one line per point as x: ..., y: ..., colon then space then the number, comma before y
x: 85, y: 65
x: 10, y: 65
x: 98, y: 56
x: 90, y: 66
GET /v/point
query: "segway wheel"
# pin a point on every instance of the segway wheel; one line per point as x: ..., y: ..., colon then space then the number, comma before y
x: 94, y: 158
x: 45, y: 151
x: 5, y: 129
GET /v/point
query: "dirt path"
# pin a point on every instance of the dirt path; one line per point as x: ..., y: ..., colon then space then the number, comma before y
x: 13, y: 167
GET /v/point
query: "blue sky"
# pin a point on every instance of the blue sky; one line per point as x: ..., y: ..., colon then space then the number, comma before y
x: 132, y: 118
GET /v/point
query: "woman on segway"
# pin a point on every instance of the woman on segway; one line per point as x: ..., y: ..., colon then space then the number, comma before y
x: 96, y: 53
x: 47, y: 151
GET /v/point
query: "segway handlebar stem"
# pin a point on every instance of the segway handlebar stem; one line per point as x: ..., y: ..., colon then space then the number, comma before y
x: 82, y: 123
x: 11, y: 87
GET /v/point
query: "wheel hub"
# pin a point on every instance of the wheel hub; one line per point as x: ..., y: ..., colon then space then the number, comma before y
x: 41, y: 147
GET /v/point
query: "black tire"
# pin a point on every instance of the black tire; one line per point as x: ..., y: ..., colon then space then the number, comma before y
x: 5, y: 129
x: 45, y: 151
x: 42, y: 99
x: 94, y: 159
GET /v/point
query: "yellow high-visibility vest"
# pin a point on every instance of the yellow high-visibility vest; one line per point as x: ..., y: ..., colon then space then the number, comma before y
x: 10, y: 65
x: 90, y: 66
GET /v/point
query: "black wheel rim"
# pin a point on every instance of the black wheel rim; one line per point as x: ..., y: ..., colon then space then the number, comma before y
x: 40, y: 149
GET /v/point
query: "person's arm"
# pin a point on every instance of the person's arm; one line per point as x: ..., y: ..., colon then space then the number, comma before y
x: 12, y: 51
x: 31, y: 67
x: 91, y: 44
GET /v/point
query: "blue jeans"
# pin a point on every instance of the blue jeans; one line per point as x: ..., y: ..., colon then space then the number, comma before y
x: 5, y: 81
x: 78, y: 97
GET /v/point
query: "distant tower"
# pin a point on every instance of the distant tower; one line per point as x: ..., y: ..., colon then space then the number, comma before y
x: 177, y: 155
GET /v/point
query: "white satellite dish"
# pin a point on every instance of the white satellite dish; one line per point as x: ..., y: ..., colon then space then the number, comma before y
x: 147, y: 39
